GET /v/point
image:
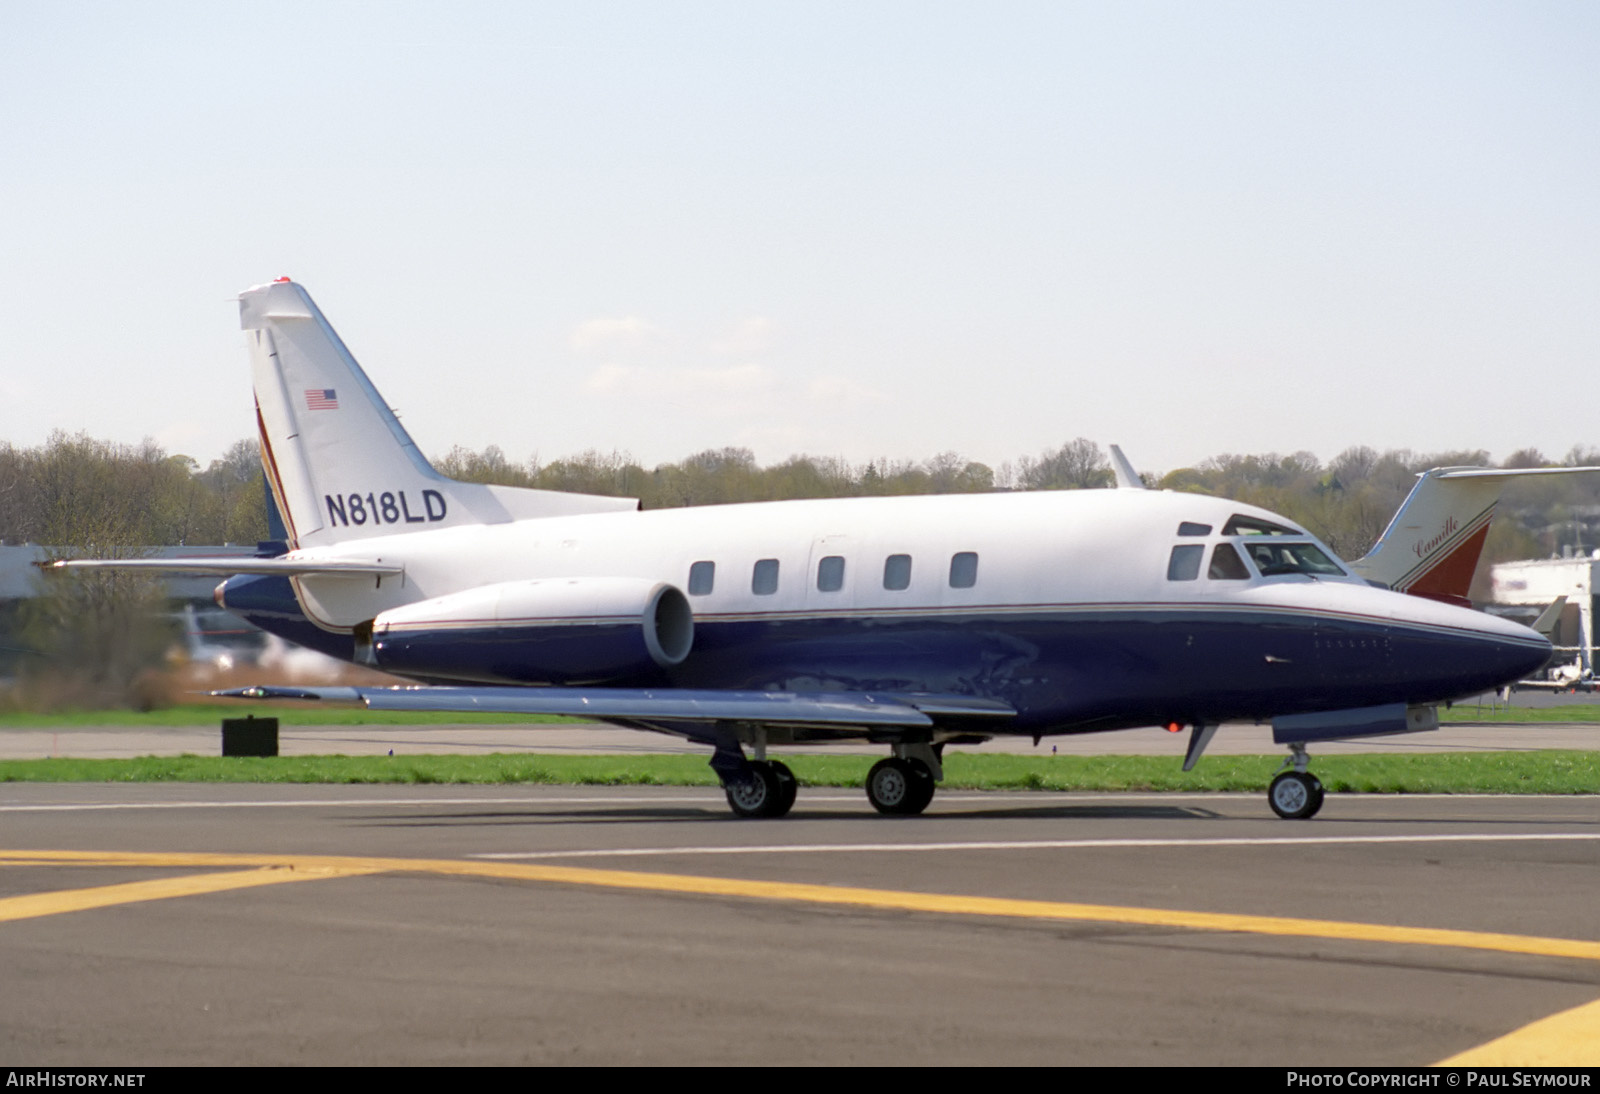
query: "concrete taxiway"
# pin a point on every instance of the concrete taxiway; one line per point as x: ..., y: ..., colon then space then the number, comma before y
x: 150, y: 924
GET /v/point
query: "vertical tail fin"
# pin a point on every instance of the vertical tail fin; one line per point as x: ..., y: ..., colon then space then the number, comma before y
x: 1550, y: 618
x: 1432, y: 545
x: 339, y: 463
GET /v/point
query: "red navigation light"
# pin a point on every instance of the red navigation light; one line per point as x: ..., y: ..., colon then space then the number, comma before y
x: 1174, y: 727
x: 278, y: 280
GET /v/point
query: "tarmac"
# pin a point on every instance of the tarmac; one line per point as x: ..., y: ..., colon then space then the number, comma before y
x: 164, y: 924
x: 173, y: 924
x: 121, y: 742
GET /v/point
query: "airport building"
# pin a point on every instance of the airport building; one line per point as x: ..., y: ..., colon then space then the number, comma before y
x: 1536, y: 583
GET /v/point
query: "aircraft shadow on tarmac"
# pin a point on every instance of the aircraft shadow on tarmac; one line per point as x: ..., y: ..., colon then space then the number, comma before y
x: 711, y: 814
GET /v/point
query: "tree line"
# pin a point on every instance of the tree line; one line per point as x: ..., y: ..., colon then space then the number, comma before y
x: 77, y: 492
x: 80, y: 492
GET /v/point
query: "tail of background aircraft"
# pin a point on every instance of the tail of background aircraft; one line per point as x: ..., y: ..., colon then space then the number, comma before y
x: 338, y: 462
x: 1432, y: 545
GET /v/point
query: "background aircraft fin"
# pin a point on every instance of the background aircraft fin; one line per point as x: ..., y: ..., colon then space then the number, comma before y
x: 1127, y: 477
x: 1432, y: 545
x: 1546, y: 623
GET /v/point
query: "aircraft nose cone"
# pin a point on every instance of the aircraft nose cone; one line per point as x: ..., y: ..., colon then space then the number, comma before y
x: 1522, y: 661
x: 1503, y: 657
x: 1450, y: 652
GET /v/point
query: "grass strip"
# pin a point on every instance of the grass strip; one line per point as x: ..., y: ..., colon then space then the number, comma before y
x: 1546, y: 772
x: 1509, y: 715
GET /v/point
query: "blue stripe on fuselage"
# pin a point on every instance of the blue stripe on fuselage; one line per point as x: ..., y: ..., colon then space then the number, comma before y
x: 1126, y: 667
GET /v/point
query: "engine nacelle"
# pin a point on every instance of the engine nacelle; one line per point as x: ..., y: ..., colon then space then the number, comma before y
x: 582, y: 630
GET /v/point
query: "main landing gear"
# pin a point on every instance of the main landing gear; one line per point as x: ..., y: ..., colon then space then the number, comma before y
x: 1297, y: 794
x: 900, y: 785
x: 767, y: 790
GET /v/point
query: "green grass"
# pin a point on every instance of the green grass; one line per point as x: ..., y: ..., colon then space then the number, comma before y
x: 1548, y: 772
x: 1513, y: 715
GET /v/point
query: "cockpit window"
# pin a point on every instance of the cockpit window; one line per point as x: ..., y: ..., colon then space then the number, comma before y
x: 1226, y: 565
x: 1190, y: 528
x: 1273, y: 559
x: 1239, y: 525
x: 1184, y: 565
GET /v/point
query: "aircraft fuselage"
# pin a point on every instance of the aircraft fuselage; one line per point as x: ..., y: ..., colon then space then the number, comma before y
x: 1080, y: 609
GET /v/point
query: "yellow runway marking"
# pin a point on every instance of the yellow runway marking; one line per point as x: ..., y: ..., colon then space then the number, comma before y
x: 1568, y: 1039
x: 886, y: 899
x: 1564, y: 1039
x: 34, y: 905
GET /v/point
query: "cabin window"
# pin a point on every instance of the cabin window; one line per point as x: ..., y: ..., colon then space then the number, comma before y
x: 702, y: 576
x: 830, y: 574
x: 1190, y: 528
x: 1274, y: 558
x: 1184, y: 565
x: 1226, y: 565
x: 964, y: 570
x: 897, y: 572
x: 1239, y: 525
x: 764, y: 581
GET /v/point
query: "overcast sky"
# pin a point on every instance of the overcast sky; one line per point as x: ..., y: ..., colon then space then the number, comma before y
x: 858, y: 229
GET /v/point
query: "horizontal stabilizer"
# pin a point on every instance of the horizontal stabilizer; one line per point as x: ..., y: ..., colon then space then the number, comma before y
x: 227, y: 566
x: 818, y: 708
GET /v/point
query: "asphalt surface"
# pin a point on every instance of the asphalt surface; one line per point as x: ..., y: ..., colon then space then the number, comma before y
x: 438, y: 925
x: 120, y: 742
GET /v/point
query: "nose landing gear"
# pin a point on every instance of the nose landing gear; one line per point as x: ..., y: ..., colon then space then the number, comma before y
x: 1297, y: 794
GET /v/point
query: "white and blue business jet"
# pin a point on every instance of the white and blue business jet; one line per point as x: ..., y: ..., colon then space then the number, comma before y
x: 914, y: 622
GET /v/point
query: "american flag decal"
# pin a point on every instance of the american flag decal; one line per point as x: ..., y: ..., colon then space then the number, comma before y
x: 321, y: 398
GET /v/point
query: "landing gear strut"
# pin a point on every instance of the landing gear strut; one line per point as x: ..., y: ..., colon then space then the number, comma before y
x: 1297, y: 794
x: 755, y: 788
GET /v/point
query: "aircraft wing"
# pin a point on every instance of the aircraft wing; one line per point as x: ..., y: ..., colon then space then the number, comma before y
x: 798, y: 708
x: 224, y: 565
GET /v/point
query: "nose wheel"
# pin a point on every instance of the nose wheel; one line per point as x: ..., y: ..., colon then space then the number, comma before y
x: 1295, y: 795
